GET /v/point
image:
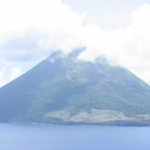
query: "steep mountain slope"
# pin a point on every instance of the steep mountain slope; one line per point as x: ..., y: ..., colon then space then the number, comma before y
x: 64, y: 90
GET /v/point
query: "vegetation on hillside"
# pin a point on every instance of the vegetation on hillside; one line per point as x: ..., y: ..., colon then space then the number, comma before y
x: 65, y: 90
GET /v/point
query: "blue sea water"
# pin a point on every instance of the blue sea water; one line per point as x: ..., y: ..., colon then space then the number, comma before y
x: 53, y: 137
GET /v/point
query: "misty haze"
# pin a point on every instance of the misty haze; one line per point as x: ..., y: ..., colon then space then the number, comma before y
x: 74, y: 75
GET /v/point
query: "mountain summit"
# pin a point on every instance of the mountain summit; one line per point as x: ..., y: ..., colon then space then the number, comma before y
x: 64, y: 90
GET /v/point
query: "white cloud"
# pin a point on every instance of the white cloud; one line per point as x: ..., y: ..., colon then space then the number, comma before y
x: 7, y: 75
x: 46, y: 24
x: 2, y: 79
x: 15, y: 72
x: 31, y: 29
x: 23, y: 15
x: 129, y: 48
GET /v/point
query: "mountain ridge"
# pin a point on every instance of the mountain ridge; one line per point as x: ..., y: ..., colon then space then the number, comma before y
x: 64, y: 90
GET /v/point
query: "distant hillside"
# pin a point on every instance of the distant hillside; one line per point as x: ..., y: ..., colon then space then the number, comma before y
x: 65, y: 90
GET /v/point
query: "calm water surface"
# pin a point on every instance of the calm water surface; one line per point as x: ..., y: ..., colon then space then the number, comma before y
x: 50, y: 137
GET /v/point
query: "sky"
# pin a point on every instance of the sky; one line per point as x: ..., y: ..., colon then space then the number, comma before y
x: 108, y: 14
x: 30, y: 30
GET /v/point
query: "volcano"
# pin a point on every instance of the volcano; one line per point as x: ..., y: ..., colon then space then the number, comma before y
x: 65, y: 90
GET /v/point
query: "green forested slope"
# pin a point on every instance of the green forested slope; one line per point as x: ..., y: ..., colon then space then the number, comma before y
x: 63, y: 89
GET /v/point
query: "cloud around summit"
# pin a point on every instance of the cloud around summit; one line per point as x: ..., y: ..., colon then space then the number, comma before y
x: 31, y: 30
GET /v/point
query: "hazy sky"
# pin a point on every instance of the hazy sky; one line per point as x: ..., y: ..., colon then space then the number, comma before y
x: 30, y: 30
x: 108, y: 14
